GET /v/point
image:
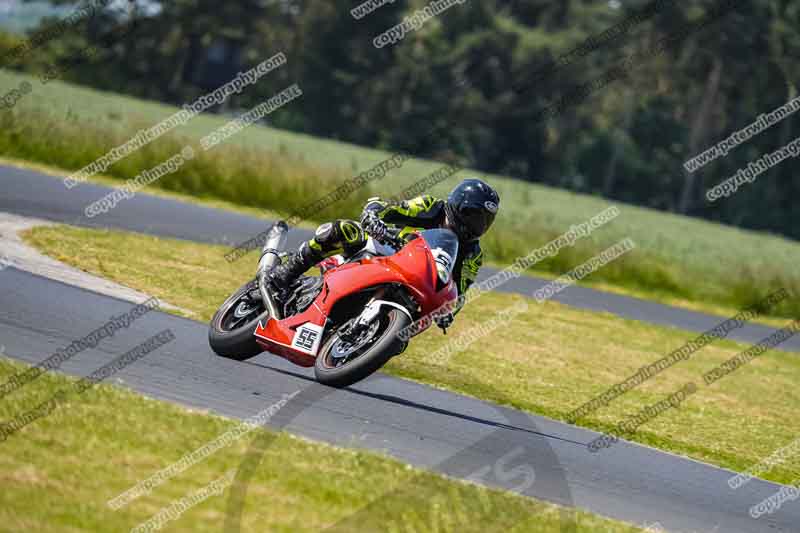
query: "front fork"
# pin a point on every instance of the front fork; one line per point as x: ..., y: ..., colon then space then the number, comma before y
x: 363, y: 320
x: 369, y: 314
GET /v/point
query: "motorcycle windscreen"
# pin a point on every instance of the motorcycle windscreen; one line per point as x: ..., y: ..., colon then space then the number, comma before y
x: 444, y: 248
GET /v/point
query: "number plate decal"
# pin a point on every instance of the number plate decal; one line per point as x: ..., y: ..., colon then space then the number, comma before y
x: 307, y: 338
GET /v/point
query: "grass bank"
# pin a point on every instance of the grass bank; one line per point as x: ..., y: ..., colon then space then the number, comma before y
x: 548, y: 360
x: 677, y: 258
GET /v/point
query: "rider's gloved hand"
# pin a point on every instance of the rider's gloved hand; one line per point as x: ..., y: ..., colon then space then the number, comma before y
x: 445, y: 321
x: 373, y: 225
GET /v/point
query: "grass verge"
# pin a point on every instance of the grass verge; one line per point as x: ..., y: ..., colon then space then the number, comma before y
x: 676, y: 257
x: 547, y: 360
x: 59, y: 472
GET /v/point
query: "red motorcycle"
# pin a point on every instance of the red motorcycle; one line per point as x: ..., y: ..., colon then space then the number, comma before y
x: 347, y: 322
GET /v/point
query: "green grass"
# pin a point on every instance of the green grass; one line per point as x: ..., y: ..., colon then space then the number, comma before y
x: 59, y: 471
x: 678, y: 259
x: 548, y: 360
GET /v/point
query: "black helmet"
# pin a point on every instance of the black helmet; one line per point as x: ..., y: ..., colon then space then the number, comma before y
x: 471, y: 208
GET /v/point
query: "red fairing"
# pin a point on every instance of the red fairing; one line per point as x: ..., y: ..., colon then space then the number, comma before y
x: 277, y: 338
x: 417, y: 266
x: 413, y: 266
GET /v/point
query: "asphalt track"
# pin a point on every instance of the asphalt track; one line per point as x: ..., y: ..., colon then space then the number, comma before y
x: 415, y: 423
x: 33, y: 194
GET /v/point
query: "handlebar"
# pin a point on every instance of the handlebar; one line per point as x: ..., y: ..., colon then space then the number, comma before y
x: 392, y: 237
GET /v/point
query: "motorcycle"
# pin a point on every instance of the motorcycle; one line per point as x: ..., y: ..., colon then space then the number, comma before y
x: 346, y: 322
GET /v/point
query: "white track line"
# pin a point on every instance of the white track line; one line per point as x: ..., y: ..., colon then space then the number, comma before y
x: 16, y: 253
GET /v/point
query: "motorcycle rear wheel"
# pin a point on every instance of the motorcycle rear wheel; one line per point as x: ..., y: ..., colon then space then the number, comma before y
x: 383, y: 344
x: 232, y: 336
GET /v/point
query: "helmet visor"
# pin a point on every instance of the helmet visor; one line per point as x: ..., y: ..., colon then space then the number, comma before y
x: 476, y: 220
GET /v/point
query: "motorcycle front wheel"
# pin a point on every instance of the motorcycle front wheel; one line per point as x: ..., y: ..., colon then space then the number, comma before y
x: 341, y: 363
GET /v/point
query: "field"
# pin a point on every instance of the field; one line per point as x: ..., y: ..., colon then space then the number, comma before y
x: 678, y: 259
x: 548, y: 360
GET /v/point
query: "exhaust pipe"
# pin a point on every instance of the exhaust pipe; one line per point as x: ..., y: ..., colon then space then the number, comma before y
x: 276, y: 242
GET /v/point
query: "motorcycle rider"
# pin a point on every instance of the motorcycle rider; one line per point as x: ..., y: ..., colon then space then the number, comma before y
x: 468, y: 211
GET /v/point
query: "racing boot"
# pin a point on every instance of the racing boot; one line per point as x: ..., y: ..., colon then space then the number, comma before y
x: 282, y: 276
